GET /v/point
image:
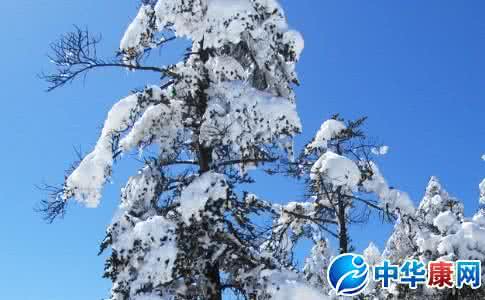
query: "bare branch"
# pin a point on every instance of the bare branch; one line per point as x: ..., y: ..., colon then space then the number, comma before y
x: 75, y: 54
x: 54, y: 206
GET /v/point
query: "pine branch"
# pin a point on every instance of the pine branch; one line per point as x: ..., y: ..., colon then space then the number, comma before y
x: 75, y: 54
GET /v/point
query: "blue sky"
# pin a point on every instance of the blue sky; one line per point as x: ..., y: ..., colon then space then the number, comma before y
x: 415, y: 68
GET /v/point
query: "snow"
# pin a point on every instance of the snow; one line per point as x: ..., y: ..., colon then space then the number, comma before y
x: 150, y: 296
x: 481, y: 186
x: 217, y: 21
x: 260, y: 24
x: 139, y: 193
x: 298, y: 291
x: 316, y: 265
x: 193, y: 199
x: 227, y: 8
x: 137, y: 35
x: 445, y: 221
x: 285, y: 285
x: 391, y: 199
x: 155, y: 237
x: 156, y: 228
x: 338, y: 170
x: 436, y: 200
x: 396, y: 199
x: 85, y: 183
x: 399, y: 245
x: 380, y: 151
x: 479, y: 218
x: 438, y: 230
x: 184, y: 18
x: 467, y: 243
x: 250, y: 105
x: 295, y: 42
x: 161, y: 123
x: 328, y: 130
x: 248, y: 117
x: 286, y: 214
x: 225, y: 68
x: 226, y: 20
x: 372, y: 255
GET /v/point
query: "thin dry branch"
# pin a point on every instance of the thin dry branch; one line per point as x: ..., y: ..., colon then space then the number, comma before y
x: 75, y: 54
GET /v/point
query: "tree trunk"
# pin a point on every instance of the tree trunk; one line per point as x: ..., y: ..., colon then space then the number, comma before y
x: 343, y: 234
x: 214, y: 288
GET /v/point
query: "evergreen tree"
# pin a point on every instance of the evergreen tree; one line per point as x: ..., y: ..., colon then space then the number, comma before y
x: 409, y: 229
x: 182, y: 230
x: 437, y: 231
x: 344, y: 182
x: 373, y: 257
x: 316, y: 265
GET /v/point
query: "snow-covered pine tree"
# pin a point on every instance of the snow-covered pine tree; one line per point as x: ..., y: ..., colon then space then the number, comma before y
x: 409, y: 229
x: 182, y: 230
x: 437, y: 231
x: 456, y: 237
x: 344, y: 184
x: 373, y: 257
x: 316, y: 265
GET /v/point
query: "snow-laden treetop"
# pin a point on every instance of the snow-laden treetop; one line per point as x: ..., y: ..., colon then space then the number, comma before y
x: 217, y: 22
x: 242, y: 62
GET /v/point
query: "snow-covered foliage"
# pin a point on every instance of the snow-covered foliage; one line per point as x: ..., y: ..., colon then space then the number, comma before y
x: 183, y: 230
x: 373, y: 257
x: 288, y: 214
x: 141, y: 241
x: 246, y: 117
x: 207, y: 187
x: 343, y: 180
x: 86, y: 181
x: 437, y: 231
x: 316, y: 265
x: 337, y: 170
x: 329, y: 130
x: 285, y: 285
x: 254, y: 33
x: 412, y: 231
x: 435, y: 201
x: 391, y: 199
x: 139, y: 34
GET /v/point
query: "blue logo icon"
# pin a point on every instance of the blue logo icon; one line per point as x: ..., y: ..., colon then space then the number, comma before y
x: 348, y: 274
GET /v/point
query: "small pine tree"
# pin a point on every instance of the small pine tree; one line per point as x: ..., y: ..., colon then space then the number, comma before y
x: 316, y: 265
x: 437, y: 231
x: 344, y: 182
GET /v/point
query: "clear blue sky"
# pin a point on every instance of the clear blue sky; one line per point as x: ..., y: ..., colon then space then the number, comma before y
x: 416, y: 68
